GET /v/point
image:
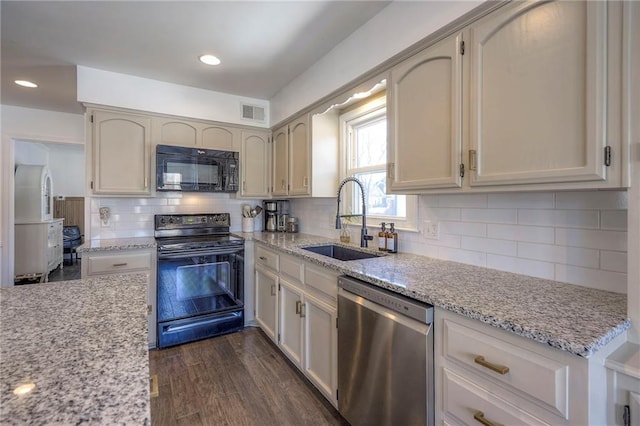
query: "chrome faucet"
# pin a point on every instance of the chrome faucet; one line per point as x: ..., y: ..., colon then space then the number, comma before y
x: 363, y: 232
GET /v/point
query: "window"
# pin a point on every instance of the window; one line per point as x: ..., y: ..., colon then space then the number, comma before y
x: 364, y: 143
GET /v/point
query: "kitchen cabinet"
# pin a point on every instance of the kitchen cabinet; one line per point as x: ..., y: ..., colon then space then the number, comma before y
x: 266, y: 301
x: 424, y: 109
x: 280, y: 162
x: 306, y: 312
x: 254, y: 164
x: 120, y: 147
x: 486, y: 374
x: 126, y: 261
x: 193, y: 133
x: 526, y: 98
x: 38, y: 248
x: 299, y: 156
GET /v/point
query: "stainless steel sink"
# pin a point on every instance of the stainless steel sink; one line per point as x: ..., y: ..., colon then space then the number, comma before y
x: 340, y: 252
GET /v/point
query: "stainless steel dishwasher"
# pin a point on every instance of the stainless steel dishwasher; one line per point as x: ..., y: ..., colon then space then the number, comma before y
x: 385, y: 357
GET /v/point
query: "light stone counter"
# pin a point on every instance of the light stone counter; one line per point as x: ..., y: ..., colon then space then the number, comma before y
x: 576, y: 319
x: 83, y: 344
x: 117, y: 244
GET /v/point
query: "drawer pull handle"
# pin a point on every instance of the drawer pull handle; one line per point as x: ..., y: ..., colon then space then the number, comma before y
x: 501, y: 369
x: 120, y: 264
x: 479, y: 416
x: 298, y: 307
x: 273, y: 289
x: 264, y: 259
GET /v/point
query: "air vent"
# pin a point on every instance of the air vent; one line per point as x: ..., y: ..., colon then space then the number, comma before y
x: 252, y: 112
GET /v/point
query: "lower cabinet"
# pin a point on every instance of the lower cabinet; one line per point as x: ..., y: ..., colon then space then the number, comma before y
x: 131, y: 261
x: 299, y: 300
x: 38, y: 248
x: 489, y: 376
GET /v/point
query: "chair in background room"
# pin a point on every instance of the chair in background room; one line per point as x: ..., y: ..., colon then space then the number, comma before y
x: 71, y: 239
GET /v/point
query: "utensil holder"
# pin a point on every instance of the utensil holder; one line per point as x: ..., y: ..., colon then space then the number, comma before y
x: 247, y: 224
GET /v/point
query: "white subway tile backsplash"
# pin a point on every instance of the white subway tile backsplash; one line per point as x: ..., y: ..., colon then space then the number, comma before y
x: 463, y: 200
x: 441, y: 213
x: 603, y: 240
x: 464, y: 256
x: 516, y: 265
x: 536, y: 200
x: 564, y: 218
x: 533, y: 234
x: 613, y: 261
x: 614, y: 220
x: 594, y: 278
x: 489, y: 215
x: 463, y: 228
x: 611, y: 200
x: 559, y: 254
x: 490, y: 245
x: 446, y: 240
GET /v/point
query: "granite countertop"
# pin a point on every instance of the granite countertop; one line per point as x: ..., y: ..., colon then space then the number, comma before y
x: 572, y: 318
x: 117, y: 244
x: 83, y: 344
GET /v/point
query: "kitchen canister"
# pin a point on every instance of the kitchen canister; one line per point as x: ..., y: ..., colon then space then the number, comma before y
x: 292, y: 224
x: 247, y: 224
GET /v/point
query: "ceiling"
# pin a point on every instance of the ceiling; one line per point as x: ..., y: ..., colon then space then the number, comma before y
x: 263, y: 45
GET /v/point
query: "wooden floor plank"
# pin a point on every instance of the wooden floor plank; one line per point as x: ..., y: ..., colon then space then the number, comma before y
x: 239, y: 379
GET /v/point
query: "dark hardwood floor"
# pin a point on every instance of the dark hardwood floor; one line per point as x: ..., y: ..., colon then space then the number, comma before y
x: 235, y: 379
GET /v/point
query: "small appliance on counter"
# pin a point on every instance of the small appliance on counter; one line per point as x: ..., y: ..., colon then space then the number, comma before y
x: 292, y: 225
x: 276, y: 215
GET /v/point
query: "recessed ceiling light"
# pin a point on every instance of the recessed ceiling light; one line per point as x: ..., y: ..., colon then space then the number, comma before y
x: 209, y: 60
x: 25, y: 83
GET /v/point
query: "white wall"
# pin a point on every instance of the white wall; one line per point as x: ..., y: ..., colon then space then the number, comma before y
x: 395, y: 28
x: 574, y: 237
x: 17, y: 123
x: 127, y: 91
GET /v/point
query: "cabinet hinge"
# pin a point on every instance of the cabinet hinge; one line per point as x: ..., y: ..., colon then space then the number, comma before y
x: 278, y: 337
x: 91, y: 185
x: 337, y: 397
x: 461, y: 170
x: 462, y: 47
x: 92, y: 118
x: 626, y: 416
x: 336, y: 322
x: 390, y: 170
x: 607, y: 156
x: 278, y: 287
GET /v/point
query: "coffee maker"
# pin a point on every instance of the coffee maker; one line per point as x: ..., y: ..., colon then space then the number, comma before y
x: 276, y: 214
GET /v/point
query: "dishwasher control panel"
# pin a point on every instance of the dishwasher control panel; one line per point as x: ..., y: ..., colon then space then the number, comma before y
x: 413, y: 309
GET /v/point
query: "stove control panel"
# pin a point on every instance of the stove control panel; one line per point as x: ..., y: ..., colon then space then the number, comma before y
x: 173, y: 221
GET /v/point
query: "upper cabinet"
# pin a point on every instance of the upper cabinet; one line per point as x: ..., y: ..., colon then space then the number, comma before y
x: 280, y: 162
x: 526, y: 98
x: 538, y: 94
x: 299, y: 156
x: 424, y: 110
x: 121, y: 153
x: 174, y: 131
x: 254, y: 164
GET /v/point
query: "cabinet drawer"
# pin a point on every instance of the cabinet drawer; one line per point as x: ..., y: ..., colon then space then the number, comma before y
x: 471, y: 404
x: 98, y: 265
x: 321, y: 280
x: 267, y: 258
x: 544, y: 379
x: 292, y: 266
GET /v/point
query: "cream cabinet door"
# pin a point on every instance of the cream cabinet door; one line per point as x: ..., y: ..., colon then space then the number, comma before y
x: 175, y: 132
x: 425, y: 119
x: 218, y: 137
x: 254, y: 164
x: 538, y: 93
x: 299, y: 159
x: 321, y: 346
x: 290, y: 321
x: 266, y: 301
x: 280, y: 165
x: 121, y: 144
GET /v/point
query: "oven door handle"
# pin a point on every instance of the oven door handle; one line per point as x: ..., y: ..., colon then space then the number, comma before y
x: 204, y: 252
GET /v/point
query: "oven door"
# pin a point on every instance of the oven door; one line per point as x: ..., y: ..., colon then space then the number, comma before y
x: 199, y: 294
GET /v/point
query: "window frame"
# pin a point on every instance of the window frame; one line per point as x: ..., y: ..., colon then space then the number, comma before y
x: 368, y: 111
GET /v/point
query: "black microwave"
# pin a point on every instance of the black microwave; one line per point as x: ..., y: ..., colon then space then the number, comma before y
x: 196, y: 170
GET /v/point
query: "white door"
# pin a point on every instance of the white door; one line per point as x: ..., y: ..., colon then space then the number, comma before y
x: 266, y: 301
x: 425, y: 119
x: 290, y: 322
x: 538, y: 92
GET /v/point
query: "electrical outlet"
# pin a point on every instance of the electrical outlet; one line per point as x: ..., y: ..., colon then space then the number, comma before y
x: 431, y: 230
